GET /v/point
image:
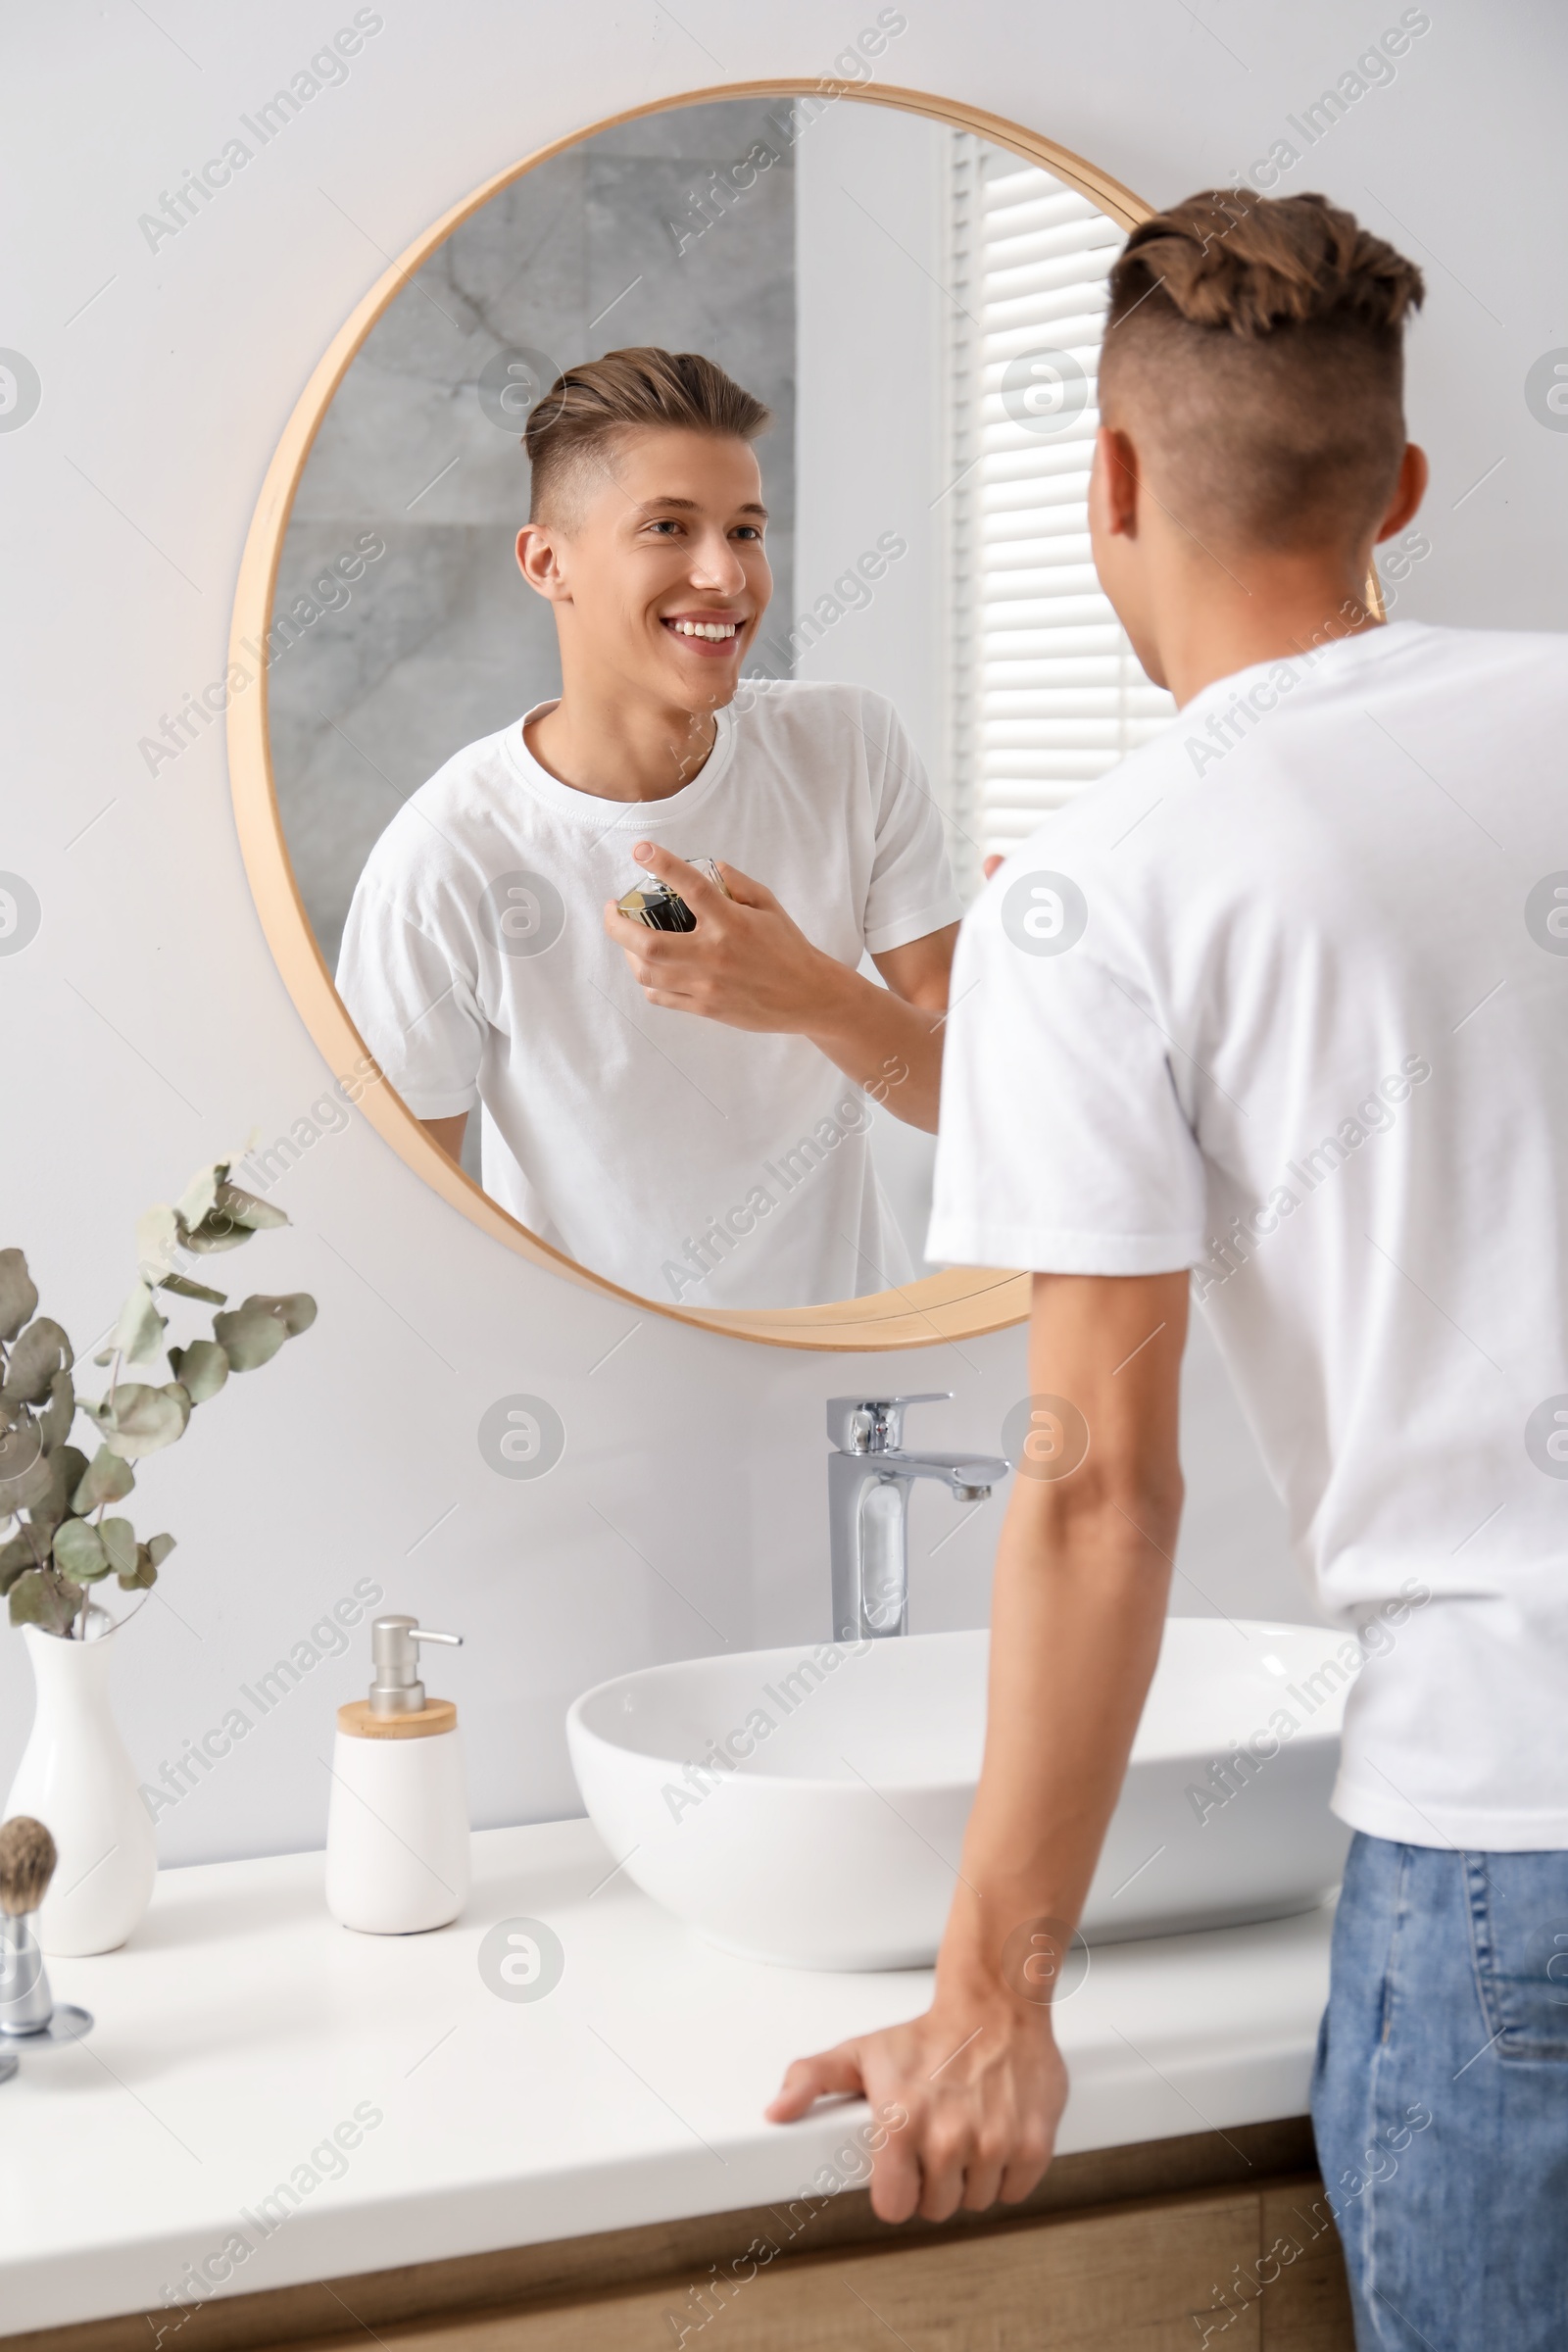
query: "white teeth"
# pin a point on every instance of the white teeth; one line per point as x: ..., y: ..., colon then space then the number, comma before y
x: 715, y: 629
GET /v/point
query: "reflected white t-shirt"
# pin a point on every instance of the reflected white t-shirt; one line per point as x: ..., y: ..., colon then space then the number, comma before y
x: 1285, y: 1000
x: 685, y: 1159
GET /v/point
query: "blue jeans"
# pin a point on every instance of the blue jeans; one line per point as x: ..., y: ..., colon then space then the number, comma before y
x: 1440, y: 2098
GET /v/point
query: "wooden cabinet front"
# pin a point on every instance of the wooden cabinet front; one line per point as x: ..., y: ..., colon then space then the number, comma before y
x: 1221, y: 2242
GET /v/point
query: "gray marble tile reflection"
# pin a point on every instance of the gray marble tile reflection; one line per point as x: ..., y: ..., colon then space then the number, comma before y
x: 440, y: 642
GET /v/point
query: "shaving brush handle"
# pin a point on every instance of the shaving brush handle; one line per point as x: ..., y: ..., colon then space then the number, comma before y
x: 26, y: 2004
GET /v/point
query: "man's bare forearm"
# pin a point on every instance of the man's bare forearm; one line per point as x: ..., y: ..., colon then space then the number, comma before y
x: 1082, y: 1576
x: 447, y: 1133
x: 1078, y: 1606
x: 889, y: 1047
x: 1078, y: 1609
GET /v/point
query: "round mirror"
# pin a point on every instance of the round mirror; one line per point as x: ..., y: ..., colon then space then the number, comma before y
x: 671, y: 589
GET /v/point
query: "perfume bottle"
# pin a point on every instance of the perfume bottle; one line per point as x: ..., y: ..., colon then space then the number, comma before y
x: 397, y: 1824
x: 660, y: 906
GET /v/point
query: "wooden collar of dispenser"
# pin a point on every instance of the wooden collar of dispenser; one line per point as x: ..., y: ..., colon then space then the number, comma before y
x: 356, y: 1718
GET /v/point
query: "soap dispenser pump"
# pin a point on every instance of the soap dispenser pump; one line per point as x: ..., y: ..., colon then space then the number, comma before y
x: 397, y: 1824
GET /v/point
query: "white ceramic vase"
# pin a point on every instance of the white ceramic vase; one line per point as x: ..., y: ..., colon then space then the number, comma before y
x: 76, y: 1778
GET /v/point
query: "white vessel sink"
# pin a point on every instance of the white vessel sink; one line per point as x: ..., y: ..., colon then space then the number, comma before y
x: 807, y: 1807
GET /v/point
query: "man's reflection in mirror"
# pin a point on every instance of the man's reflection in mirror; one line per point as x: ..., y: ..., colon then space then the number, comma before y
x: 687, y: 1111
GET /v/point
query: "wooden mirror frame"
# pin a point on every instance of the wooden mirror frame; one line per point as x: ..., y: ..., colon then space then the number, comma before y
x: 961, y: 1303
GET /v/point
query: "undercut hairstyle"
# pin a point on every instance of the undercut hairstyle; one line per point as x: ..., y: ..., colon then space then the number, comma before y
x: 574, y: 428
x: 1253, y: 352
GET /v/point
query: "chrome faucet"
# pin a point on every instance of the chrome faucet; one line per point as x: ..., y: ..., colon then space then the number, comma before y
x: 868, y: 1480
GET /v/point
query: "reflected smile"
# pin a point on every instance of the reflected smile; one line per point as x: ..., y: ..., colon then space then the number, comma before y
x: 702, y: 630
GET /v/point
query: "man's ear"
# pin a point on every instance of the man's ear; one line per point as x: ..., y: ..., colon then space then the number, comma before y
x: 539, y: 555
x: 1408, y: 492
x: 1113, y: 484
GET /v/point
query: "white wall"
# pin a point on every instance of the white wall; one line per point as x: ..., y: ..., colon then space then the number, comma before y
x: 144, y: 1027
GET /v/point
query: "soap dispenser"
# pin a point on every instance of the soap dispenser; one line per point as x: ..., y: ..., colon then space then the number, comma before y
x: 397, y: 1824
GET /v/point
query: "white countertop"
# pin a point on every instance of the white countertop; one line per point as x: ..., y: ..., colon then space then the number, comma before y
x: 241, y: 2025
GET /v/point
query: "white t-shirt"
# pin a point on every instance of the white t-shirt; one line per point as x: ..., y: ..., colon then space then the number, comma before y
x: 1285, y: 1000
x: 684, y: 1158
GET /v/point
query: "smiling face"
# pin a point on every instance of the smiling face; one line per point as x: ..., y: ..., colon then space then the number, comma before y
x: 656, y: 567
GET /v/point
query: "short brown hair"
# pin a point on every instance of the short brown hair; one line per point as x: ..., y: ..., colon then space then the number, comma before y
x: 1258, y: 342
x: 590, y: 406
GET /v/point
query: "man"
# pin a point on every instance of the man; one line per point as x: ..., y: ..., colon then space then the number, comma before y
x: 1279, y: 1010
x: 724, y: 1160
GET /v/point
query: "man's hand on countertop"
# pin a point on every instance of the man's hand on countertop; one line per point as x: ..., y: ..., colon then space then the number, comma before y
x: 979, y: 2084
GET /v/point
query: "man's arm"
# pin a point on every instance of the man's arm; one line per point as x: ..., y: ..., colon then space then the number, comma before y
x: 750, y: 966
x: 1078, y: 1609
x: 448, y: 1134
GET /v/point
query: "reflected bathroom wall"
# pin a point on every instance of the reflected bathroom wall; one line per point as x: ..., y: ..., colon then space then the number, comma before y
x: 439, y: 642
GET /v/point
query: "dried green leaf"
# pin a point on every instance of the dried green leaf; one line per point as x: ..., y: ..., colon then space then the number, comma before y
x: 200, y: 1368
x: 251, y: 1335
x: 19, y: 1297
x: 244, y: 1208
x: 108, y: 1478
x: 200, y: 1193
x: 141, y: 1419
x: 158, y: 1549
x: 214, y: 1215
x: 215, y: 1234
x: 295, y: 1310
x: 139, y: 1333
x: 23, y: 1467
x: 43, y: 1600
x: 158, y: 1233
x: 163, y: 1231
x: 67, y: 1466
x: 28, y: 1549
x: 186, y: 1288
x: 119, y: 1540
x: 80, y: 1552
x: 40, y: 1352
x: 59, y: 1413
x: 143, y: 1573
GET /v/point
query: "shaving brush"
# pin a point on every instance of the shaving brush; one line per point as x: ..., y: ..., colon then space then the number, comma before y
x: 27, y: 1858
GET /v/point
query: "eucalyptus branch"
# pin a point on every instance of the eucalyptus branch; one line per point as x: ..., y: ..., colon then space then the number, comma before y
x: 69, y: 1535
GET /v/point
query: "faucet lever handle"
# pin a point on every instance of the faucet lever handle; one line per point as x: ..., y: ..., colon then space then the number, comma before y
x: 874, y: 1424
